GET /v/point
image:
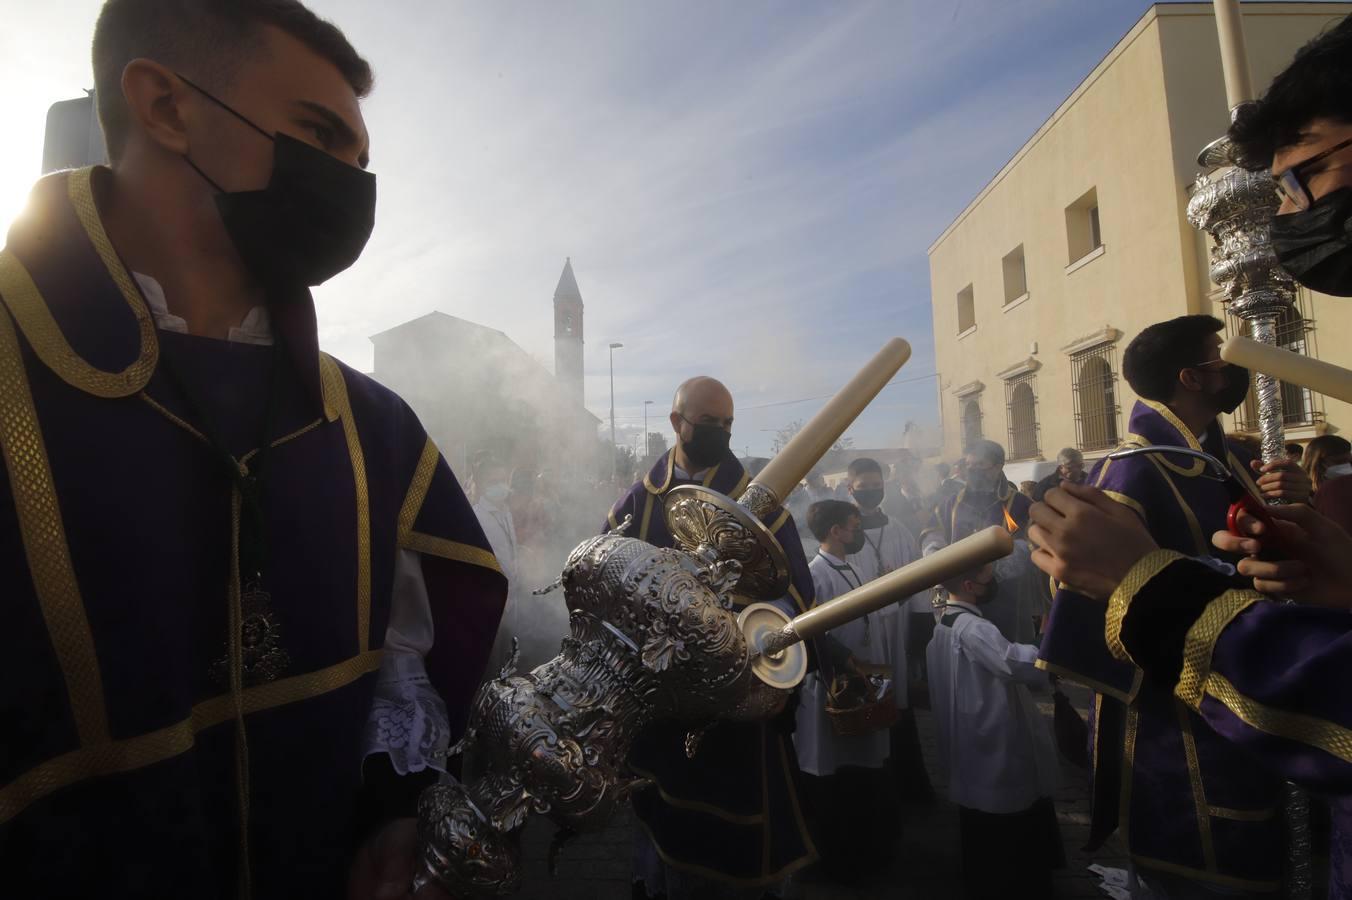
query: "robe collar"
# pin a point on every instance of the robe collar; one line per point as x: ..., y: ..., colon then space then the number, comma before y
x: 1155, y: 423
x: 727, y: 477
x: 83, y: 313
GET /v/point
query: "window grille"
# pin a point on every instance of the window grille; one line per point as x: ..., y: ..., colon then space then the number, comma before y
x: 1301, y: 407
x: 1021, y: 415
x: 1094, y: 385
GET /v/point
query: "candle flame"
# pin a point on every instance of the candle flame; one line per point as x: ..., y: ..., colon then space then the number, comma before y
x: 1010, y: 525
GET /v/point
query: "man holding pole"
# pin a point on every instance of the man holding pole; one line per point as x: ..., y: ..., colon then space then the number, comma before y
x: 1262, y: 674
x: 724, y: 822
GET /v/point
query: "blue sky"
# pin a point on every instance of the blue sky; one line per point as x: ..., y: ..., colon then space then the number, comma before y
x: 746, y: 189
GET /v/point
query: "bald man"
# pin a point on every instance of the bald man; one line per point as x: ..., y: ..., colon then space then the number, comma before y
x: 725, y: 824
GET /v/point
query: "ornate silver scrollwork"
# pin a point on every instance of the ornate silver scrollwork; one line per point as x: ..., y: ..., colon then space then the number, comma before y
x: 653, y: 634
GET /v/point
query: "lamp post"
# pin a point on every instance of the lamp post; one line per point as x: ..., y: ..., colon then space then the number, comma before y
x: 646, y: 404
x: 613, y: 462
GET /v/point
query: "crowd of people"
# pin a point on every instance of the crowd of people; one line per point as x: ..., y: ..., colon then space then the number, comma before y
x: 248, y: 604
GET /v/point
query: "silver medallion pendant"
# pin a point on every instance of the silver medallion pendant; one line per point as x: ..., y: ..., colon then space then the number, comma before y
x: 262, y: 656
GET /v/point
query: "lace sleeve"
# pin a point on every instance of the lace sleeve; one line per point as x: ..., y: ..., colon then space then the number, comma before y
x: 408, y: 719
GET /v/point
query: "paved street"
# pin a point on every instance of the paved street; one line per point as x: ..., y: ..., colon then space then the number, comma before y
x: 924, y: 864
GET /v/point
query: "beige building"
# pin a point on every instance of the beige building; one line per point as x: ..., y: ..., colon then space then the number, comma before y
x: 1082, y: 239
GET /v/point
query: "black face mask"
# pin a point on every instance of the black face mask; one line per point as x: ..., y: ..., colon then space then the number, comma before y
x: 708, y: 444
x: 1235, y: 389
x: 992, y: 590
x: 311, y: 222
x: 869, y: 499
x: 1314, y: 245
x: 856, y: 543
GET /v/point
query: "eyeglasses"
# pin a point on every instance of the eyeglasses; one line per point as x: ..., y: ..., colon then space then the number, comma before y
x: 1217, y: 363
x: 1291, y: 183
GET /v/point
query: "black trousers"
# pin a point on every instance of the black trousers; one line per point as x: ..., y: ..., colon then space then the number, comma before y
x: 855, y: 821
x: 1010, y: 854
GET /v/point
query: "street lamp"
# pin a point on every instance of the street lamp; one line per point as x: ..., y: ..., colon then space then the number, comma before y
x: 646, y: 404
x: 613, y: 461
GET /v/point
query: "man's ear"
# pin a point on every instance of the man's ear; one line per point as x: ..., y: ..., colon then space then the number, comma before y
x: 154, y: 98
x: 675, y: 419
x: 1190, y: 379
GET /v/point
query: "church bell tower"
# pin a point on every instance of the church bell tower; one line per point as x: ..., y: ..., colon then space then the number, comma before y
x: 568, y: 334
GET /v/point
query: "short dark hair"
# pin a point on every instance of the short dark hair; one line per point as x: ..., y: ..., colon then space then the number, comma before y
x: 1156, y: 355
x: 1293, y: 447
x: 862, y: 466
x: 988, y: 450
x: 824, y: 515
x: 211, y: 38
x: 1317, y: 84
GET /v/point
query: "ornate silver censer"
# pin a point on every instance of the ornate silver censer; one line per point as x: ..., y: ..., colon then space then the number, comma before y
x: 654, y: 633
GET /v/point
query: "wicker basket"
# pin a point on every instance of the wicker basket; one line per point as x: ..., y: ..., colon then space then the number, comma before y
x: 877, y: 710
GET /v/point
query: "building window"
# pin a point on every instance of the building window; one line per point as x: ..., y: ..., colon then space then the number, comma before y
x: 1021, y: 414
x: 966, y: 309
x: 971, y: 421
x: 1300, y: 405
x: 1083, y: 233
x: 1016, y: 275
x: 1094, y: 384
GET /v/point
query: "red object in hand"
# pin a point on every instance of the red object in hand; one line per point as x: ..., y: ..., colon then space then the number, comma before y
x: 1248, y: 503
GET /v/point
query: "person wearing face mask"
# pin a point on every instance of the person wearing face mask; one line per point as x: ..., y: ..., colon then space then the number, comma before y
x: 849, y: 791
x: 724, y: 823
x: 994, y: 745
x: 1183, y: 385
x: 1263, y: 672
x: 987, y: 498
x: 889, y: 545
x: 237, y: 573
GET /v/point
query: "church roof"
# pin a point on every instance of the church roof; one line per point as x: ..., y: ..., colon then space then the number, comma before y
x: 567, y: 288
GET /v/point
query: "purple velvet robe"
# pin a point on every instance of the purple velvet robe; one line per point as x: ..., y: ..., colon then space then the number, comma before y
x: 732, y: 812
x: 1267, y: 677
x: 1189, y: 802
x: 121, y: 770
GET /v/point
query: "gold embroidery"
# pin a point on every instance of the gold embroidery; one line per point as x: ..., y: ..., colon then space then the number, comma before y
x: 647, y: 517
x: 126, y: 755
x: 31, y: 313
x: 741, y: 486
x: 1091, y: 683
x: 1201, y: 639
x: 335, y: 391
x: 1332, y: 738
x: 698, y: 806
x: 1128, y: 770
x: 1199, y: 542
x: 779, y: 522
x: 1242, y: 815
x: 1127, y: 501
x: 44, y: 540
x: 452, y: 550
x: 671, y: 473
x: 417, y: 489
x: 797, y: 598
x: 1198, y: 789
x: 1160, y: 865
x: 1140, y: 574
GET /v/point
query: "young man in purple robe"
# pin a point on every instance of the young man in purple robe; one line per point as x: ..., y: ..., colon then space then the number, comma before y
x: 246, y: 603
x: 1268, y: 676
x: 727, y: 822
x: 1155, y: 762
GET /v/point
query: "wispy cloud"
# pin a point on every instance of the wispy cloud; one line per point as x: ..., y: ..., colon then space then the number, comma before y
x: 746, y: 189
